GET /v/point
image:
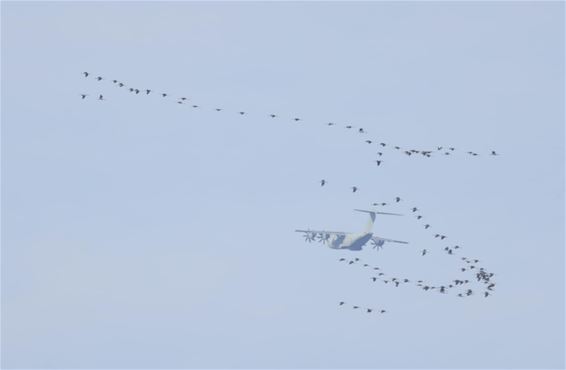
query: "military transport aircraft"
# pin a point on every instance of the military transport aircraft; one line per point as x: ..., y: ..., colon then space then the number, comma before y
x: 351, y: 241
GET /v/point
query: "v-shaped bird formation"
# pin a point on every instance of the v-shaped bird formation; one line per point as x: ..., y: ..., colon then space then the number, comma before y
x: 472, y: 278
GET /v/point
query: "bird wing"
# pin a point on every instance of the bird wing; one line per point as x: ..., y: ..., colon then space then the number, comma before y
x: 378, y: 239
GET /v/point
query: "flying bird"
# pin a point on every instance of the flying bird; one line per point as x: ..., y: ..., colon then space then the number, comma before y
x: 354, y: 189
x: 378, y: 162
x: 423, y: 252
x: 83, y: 96
x: 426, y: 226
x: 100, y: 97
x: 322, y: 182
x: 397, y: 199
x: 99, y: 78
x: 85, y: 73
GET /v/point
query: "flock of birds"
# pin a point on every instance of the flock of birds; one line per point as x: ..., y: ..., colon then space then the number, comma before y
x: 443, y: 151
x: 461, y: 286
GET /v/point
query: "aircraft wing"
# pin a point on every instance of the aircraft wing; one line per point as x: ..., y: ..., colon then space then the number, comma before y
x: 378, y: 240
x: 339, y: 233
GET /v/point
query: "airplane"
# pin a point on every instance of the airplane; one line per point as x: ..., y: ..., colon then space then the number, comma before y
x: 351, y: 241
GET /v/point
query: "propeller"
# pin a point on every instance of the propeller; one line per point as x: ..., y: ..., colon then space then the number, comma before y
x: 309, y: 236
x: 378, y: 244
x: 323, y: 237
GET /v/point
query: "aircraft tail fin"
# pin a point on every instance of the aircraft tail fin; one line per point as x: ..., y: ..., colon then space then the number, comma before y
x: 372, y: 214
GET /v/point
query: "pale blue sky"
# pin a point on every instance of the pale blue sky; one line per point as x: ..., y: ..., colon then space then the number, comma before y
x: 141, y: 234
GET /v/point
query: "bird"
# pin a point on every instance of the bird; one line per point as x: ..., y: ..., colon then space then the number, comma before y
x: 351, y: 262
x: 469, y: 292
x: 368, y: 141
x: 131, y: 89
x: 397, y: 147
x: 442, y: 237
x: 378, y: 162
x: 137, y: 91
x: 379, y: 154
x: 382, y: 144
x: 218, y: 109
x: 195, y: 106
x: 121, y: 84
x: 114, y: 81
x: 374, y: 279
x: 361, y: 130
x: 147, y: 91
x: 83, y: 96
x: 297, y: 119
x: 341, y: 303
x: 273, y: 115
x: 330, y: 123
x: 382, y: 311
x: 426, y: 226
x: 397, y: 199
x: 456, y: 247
x: 369, y: 310
x: 354, y: 189
x: 355, y: 307
x: 86, y: 74
x: 100, y: 97
x: 419, y: 217
x: 99, y: 78
x: 490, y: 286
x: 242, y: 113
x: 452, y: 149
x: 414, y: 209
x: 405, y: 280
x: 396, y: 283
x: 485, y: 294
x: 183, y: 98
x: 493, y: 152
x: 342, y: 259
x: 423, y: 252
x: 348, y: 126
x: 439, y: 148
x: 164, y: 94
x: 322, y: 182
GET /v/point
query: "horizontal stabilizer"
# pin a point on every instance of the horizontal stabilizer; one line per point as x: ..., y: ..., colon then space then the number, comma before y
x: 379, y: 213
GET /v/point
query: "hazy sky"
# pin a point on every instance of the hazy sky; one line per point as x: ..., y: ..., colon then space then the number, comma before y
x: 140, y: 233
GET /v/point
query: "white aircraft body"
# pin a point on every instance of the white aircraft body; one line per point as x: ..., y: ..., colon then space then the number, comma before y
x: 351, y: 241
